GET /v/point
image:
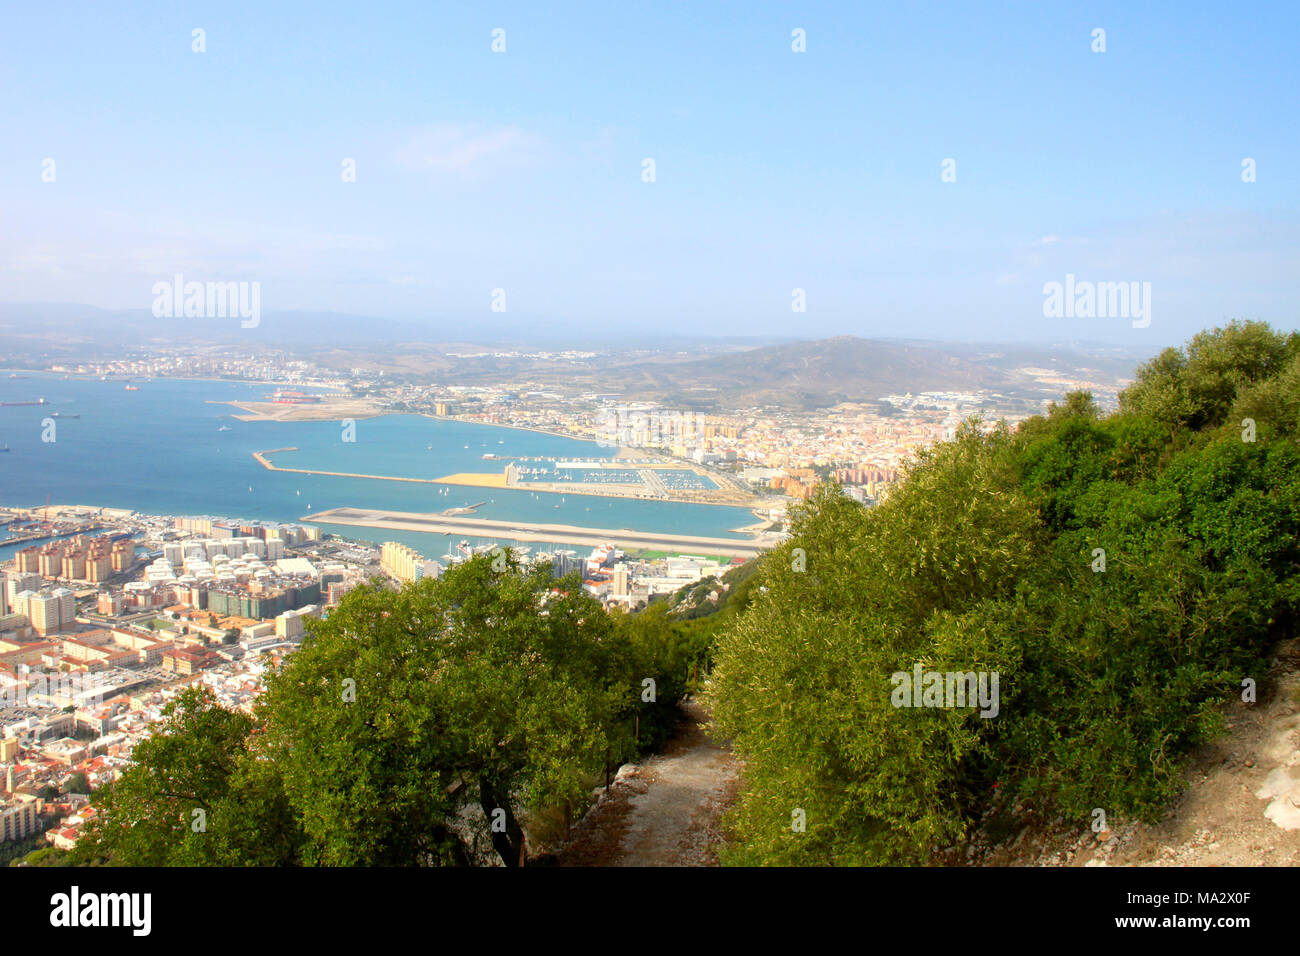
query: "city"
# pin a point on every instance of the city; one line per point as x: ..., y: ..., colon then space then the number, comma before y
x: 841, y: 443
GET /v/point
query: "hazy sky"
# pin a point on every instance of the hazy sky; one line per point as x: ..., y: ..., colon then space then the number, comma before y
x: 774, y: 170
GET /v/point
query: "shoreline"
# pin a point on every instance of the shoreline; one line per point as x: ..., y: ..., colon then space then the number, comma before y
x: 82, y: 376
x: 491, y: 480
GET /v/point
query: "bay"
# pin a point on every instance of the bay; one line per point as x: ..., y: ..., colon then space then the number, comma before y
x: 161, y: 450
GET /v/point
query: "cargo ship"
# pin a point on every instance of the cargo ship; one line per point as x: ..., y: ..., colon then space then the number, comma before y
x: 39, y: 401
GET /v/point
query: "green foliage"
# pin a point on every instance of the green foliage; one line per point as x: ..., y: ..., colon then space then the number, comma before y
x: 985, y: 559
x: 20, y: 852
x: 197, y: 794
x: 653, y: 646
x: 500, y: 690
x: 410, y: 718
x: 804, y: 677
x: 1196, y: 387
x: 45, y: 856
x: 400, y: 709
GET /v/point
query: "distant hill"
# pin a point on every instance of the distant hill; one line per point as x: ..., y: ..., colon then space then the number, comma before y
x: 813, y: 374
x: 697, y: 374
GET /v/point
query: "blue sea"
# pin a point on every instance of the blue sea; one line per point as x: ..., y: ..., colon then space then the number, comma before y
x: 161, y: 450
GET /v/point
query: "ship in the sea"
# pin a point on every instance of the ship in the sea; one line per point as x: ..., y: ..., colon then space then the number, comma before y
x: 132, y: 388
x: 39, y: 401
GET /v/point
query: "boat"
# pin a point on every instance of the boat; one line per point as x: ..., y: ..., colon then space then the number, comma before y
x: 224, y: 428
x: 132, y: 388
x: 63, y: 415
x: 5, y: 448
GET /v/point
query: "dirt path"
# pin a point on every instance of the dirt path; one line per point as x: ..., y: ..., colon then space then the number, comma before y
x: 664, y: 812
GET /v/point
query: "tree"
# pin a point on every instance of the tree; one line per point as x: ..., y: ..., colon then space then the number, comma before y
x: 403, y: 709
x: 803, y: 679
x: 1122, y: 575
x: 198, y: 793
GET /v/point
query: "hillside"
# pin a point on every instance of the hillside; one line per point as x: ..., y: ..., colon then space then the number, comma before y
x: 1058, y: 618
x: 1240, y: 805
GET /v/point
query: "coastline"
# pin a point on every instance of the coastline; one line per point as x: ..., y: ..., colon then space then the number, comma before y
x: 492, y: 480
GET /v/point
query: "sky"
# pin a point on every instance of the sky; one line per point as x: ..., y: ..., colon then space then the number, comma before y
x: 774, y: 170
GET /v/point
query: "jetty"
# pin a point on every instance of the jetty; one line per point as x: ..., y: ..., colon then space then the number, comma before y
x: 261, y: 459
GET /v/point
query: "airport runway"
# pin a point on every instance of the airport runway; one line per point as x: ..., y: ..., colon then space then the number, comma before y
x: 468, y: 526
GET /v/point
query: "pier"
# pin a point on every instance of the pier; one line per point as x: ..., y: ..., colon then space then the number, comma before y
x: 261, y: 459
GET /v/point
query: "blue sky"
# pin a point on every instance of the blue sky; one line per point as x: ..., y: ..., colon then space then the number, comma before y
x: 774, y: 170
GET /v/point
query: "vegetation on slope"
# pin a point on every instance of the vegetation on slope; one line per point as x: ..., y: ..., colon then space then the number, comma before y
x: 1121, y: 574
x: 415, y: 727
x: 989, y: 558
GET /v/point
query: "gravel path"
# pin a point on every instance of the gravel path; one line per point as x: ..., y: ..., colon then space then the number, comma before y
x: 664, y: 812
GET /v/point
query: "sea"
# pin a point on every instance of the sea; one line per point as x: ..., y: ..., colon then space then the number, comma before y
x: 172, y: 447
